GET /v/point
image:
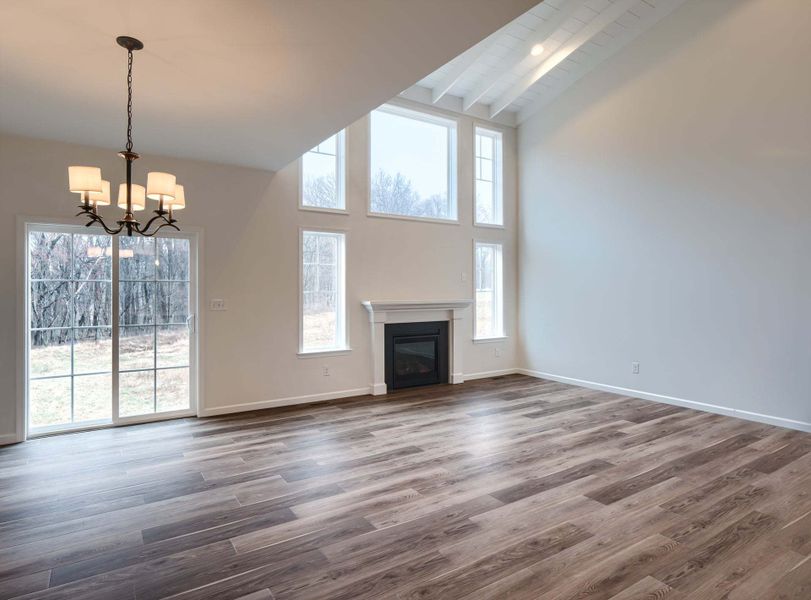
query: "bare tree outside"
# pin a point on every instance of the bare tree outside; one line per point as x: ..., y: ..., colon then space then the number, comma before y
x: 394, y: 194
x: 320, y: 192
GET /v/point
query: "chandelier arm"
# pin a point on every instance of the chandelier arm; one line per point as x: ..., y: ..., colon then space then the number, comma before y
x: 94, y: 218
x: 158, y: 216
x: 144, y: 232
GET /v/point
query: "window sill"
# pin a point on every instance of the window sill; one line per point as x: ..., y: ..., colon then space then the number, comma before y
x: 317, y: 353
x: 488, y: 225
x: 408, y: 218
x: 490, y: 340
x: 332, y: 211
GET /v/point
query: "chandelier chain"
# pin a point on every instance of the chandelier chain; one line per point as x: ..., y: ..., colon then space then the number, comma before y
x: 129, y: 101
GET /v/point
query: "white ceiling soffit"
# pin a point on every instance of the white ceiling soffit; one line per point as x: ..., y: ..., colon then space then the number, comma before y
x: 247, y: 82
x: 501, y: 77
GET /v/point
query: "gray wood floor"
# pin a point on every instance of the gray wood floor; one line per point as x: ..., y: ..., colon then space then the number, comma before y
x: 505, y: 488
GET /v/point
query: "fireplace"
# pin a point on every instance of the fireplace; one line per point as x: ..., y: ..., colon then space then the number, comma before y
x: 416, y: 354
x: 383, y: 313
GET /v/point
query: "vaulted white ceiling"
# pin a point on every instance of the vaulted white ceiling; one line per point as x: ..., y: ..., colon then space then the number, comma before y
x: 250, y: 82
x: 502, y: 75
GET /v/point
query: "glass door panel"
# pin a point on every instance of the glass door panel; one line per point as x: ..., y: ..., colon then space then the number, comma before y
x: 154, y: 342
x: 136, y: 393
x: 70, y: 330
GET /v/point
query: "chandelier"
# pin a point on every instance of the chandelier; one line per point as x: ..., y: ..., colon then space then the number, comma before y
x: 160, y: 187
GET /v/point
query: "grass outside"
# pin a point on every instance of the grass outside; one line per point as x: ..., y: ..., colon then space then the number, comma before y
x: 319, y: 330
x: 484, y: 314
x: 140, y: 393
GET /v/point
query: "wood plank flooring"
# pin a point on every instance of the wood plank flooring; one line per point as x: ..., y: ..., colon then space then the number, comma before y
x: 503, y: 488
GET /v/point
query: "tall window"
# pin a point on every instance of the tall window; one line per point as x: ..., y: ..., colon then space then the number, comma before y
x: 489, y: 180
x: 322, y: 175
x: 413, y: 164
x: 323, y: 314
x: 489, y: 291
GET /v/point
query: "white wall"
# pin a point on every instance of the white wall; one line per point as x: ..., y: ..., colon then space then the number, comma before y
x: 665, y: 214
x: 251, y: 220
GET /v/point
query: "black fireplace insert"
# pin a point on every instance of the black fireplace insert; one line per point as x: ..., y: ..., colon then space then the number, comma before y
x: 416, y: 354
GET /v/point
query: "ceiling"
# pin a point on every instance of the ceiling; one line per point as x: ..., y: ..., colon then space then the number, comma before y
x: 248, y: 82
x: 500, y: 75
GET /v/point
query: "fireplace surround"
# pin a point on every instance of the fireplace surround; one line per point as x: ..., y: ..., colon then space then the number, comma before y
x: 452, y: 312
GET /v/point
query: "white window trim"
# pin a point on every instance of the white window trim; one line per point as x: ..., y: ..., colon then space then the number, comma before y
x: 26, y: 223
x: 343, y: 314
x: 491, y: 340
x: 498, y: 276
x: 498, y: 175
x: 319, y: 353
x: 340, y: 178
x: 453, y: 174
x: 376, y: 215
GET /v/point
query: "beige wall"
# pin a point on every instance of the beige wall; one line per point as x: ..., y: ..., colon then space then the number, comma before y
x: 250, y: 221
x: 666, y: 215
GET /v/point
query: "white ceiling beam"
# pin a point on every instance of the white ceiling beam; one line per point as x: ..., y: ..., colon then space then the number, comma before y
x: 517, y: 56
x: 592, y: 28
x: 461, y: 66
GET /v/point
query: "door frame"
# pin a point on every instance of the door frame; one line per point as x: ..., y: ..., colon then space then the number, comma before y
x: 24, y: 225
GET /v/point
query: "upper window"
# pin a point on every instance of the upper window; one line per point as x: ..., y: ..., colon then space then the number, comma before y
x: 413, y: 164
x: 322, y: 175
x: 489, y: 185
x: 323, y: 314
x: 489, y: 291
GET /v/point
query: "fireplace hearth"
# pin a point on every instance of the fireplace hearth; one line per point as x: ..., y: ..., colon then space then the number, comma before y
x: 416, y: 354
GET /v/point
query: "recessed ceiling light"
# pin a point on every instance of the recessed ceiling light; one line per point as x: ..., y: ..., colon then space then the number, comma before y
x: 537, y: 50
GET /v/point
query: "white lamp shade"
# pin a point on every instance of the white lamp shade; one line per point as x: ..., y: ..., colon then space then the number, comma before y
x: 84, y: 179
x: 160, y: 186
x: 179, y: 201
x: 138, y: 196
x: 101, y: 198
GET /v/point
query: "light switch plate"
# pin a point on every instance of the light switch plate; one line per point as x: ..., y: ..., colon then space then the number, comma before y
x: 216, y: 304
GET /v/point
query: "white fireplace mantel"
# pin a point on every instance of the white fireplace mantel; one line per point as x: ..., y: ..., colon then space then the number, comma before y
x: 415, y: 311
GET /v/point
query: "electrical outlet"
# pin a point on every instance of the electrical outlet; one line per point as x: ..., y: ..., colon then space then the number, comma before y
x: 216, y: 304
x: 325, y: 371
x: 463, y: 276
x: 497, y: 352
x: 635, y: 368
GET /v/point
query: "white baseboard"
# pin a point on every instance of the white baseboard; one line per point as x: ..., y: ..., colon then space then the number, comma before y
x: 486, y: 374
x: 8, y: 438
x: 289, y: 401
x: 373, y: 389
x: 771, y: 420
x: 713, y: 408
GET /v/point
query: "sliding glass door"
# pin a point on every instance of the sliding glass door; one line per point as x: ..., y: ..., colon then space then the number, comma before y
x: 111, y: 328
